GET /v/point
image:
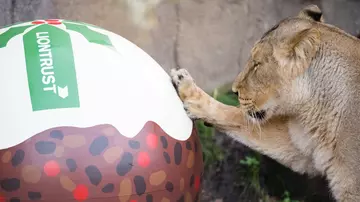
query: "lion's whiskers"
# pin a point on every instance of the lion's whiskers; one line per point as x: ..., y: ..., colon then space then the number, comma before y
x: 257, y: 122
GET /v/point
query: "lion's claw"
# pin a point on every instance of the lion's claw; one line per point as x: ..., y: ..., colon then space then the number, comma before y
x: 189, y: 93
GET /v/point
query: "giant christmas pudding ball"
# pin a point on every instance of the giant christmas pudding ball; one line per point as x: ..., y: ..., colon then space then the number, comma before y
x: 88, y: 116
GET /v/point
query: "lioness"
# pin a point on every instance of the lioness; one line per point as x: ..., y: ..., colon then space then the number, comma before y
x: 299, y: 100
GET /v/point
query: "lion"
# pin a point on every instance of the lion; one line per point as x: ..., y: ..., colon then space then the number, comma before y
x: 299, y: 97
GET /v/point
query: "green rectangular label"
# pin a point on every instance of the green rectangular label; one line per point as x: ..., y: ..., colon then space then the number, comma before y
x: 50, y: 68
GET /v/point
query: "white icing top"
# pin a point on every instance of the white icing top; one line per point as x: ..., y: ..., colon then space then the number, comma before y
x: 124, y: 87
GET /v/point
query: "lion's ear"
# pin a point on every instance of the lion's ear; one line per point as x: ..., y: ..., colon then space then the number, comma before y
x: 311, y: 12
x: 295, y: 53
x: 304, y: 44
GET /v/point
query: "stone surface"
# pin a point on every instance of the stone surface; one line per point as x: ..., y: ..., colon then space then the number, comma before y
x: 216, y: 36
x: 211, y: 38
x: 344, y: 14
x: 5, y: 12
x: 13, y: 11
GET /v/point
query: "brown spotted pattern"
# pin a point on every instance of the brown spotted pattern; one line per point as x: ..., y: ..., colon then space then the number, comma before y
x: 99, y: 164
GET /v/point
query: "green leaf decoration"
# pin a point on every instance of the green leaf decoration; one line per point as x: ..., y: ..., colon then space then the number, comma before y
x: 81, y: 23
x: 10, y: 33
x: 90, y: 35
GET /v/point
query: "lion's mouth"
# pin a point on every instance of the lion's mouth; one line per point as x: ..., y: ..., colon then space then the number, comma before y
x: 260, y: 115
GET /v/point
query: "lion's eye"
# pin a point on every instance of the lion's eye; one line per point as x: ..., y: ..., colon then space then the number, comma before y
x: 256, y: 65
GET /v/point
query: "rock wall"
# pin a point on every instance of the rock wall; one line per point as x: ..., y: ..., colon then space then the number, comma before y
x: 211, y: 38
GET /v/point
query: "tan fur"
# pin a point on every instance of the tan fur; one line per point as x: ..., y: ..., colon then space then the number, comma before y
x: 305, y: 76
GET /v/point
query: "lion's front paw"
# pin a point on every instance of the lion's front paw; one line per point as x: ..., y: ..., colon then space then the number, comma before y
x: 191, y: 95
x: 183, y: 83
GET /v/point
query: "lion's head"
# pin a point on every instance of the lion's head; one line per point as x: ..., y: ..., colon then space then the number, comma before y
x: 282, y: 54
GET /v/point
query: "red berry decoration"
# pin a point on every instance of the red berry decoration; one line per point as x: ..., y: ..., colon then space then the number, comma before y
x: 81, y: 193
x: 51, y: 168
